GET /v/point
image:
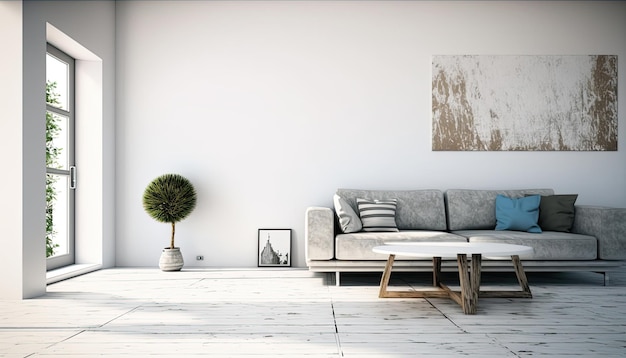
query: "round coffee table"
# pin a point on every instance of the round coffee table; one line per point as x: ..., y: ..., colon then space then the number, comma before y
x: 469, y: 275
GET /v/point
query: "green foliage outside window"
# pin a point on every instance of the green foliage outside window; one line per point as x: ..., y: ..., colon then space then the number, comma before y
x: 52, y: 155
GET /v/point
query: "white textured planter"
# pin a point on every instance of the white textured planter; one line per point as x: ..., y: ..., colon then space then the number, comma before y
x: 171, y: 259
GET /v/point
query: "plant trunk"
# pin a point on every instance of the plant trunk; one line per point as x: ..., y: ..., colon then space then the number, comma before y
x: 173, y: 232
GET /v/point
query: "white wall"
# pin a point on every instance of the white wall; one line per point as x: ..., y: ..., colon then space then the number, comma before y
x: 15, y: 252
x: 269, y: 107
x: 92, y: 25
x: 86, y: 31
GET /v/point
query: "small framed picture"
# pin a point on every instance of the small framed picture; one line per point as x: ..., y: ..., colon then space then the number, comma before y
x: 275, y: 247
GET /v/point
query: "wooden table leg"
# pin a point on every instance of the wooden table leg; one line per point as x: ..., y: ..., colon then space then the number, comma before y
x: 384, y: 281
x: 521, y: 279
x: 475, y: 275
x: 437, y: 271
x: 465, y: 300
x: 383, y: 292
x: 521, y: 276
x: 469, y: 278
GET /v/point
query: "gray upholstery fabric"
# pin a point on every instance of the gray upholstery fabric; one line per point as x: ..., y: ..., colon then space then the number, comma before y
x: 608, y: 225
x: 417, y: 209
x: 319, y: 233
x: 349, y: 220
x: 549, y: 245
x: 476, y: 209
x: 597, y: 232
x: 358, y: 246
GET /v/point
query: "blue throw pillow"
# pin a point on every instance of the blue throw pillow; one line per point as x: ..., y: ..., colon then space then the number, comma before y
x: 519, y: 214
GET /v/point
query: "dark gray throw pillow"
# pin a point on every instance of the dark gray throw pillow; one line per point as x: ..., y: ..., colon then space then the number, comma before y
x: 556, y: 212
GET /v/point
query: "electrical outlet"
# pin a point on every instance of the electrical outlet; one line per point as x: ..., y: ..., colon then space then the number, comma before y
x: 199, y: 258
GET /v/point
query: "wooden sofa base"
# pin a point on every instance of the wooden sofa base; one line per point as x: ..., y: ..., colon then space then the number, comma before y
x: 603, y: 267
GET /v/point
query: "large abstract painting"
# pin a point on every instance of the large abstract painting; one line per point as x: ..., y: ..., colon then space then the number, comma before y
x: 524, y: 103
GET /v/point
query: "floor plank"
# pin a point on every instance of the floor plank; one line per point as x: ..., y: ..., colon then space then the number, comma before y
x: 127, y: 312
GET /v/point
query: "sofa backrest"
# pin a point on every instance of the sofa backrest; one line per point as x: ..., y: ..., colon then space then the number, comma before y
x: 416, y: 209
x: 476, y: 209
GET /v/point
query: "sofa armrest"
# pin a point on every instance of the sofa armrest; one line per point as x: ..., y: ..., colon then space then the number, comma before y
x: 319, y: 234
x: 608, y: 225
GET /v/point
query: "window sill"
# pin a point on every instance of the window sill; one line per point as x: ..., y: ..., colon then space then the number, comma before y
x: 70, y: 271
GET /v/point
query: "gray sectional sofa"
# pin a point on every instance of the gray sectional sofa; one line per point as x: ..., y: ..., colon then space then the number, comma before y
x: 596, y: 240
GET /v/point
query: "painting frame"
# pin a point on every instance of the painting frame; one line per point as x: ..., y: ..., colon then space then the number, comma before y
x: 524, y: 103
x: 274, y: 248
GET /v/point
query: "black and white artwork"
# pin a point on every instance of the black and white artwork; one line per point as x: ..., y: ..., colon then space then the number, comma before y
x: 524, y: 103
x: 275, y: 247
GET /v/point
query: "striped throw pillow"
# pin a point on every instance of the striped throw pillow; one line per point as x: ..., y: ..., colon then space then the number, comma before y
x: 378, y: 215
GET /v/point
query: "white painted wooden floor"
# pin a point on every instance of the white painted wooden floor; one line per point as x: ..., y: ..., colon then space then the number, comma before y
x: 294, y: 313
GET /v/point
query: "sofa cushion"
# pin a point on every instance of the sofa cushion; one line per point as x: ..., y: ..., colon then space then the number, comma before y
x: 556, y: 212
x: 519, y: 214
x: 378, y: 215
x: 608, y: 225
x: 549, y: 245
x: 476, y: 209
x: 358, y: 246
x: 416, y: 209
x: 349, y: 220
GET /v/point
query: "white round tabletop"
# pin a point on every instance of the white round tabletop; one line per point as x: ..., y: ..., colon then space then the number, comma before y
x: 451, y: 249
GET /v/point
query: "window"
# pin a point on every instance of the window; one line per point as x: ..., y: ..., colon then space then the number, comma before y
x: 60, y: 169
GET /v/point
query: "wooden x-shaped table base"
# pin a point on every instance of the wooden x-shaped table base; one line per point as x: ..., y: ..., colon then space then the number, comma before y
x: 469, y: 278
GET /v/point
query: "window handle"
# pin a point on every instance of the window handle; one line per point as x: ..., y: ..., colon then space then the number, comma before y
x: 72, y: 177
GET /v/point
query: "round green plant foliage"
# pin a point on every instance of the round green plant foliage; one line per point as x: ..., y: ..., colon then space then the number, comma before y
x: 169, y: 198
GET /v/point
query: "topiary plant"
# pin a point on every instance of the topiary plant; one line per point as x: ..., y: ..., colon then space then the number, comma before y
x: 169, y: 199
